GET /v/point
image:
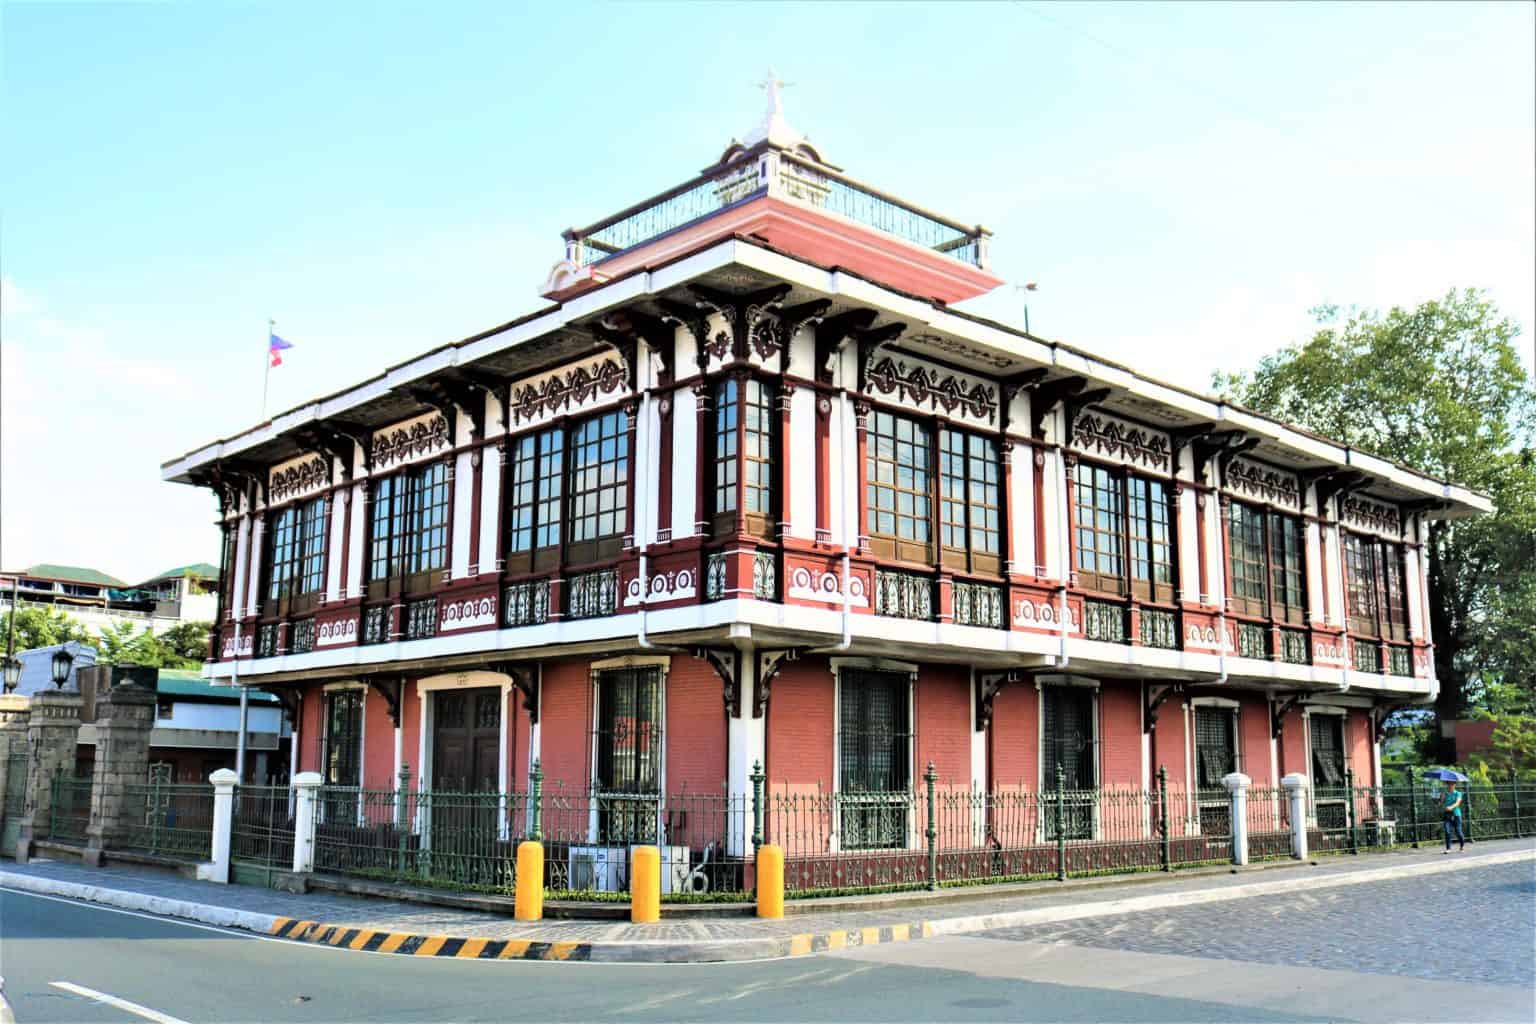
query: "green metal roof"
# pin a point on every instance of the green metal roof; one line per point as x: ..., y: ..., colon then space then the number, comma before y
x: 75, y: 574
x: 200, y: 569
x: 181, y: 682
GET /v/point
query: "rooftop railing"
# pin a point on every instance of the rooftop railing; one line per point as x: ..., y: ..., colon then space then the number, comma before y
x: 786, y: 177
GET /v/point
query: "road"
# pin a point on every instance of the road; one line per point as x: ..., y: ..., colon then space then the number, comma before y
x: 1361, y: 952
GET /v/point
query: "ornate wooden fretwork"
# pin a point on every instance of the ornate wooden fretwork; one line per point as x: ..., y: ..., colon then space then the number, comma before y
x: 922, y: 385
x: 1372, y: 515
x: 525, y: 677
x: 1048, y: 396
x: 693, y: 320
x: 832, y: 331
x: 795, y: 317
x: 988, y: 685
x: 300, y: 479
x: 421, y: 438
x: 1256, y: 481
x: 750, y: 317
x: 1011, y: 388
x: 1104, y: 436
x: 390, y: 688
x: 562, y: 391
x: 726, y: 661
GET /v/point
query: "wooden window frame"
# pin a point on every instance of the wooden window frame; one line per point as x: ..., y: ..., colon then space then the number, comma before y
x: 1362, y: 594
x: 965, y: 461
x: 923, y: 498
x: 1132, y: 505
x: 544, y: 464
x: 1283, y: 528
x: 1248, y: 536
x: 293, y: 569
x: 404, y: 571
x: 598, y: 546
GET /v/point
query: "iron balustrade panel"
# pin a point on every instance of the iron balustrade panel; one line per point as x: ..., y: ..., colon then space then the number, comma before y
x: 266, y: 640
x: 421, y: 619
x: 1105, y: 622
x: 525, y: 604
x: 1294, y: 648
x: 303, y: 637
x: 765, y: 576
x: 1366, y: 656
x: 670, y: 212
x: 1252, y: 641
x: 171, y: 820
x: 979, y: 604
x: 714, y: 576
x: 262, y: 826
x: 70, y: 814
x: 375, y: 624
x: 903, y: 595
x: 1159, y: 628
x: 838, y: 842
x: 592, y: 594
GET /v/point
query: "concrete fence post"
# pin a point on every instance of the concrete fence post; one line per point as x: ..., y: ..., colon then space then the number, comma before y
x: 1296, y: 794
x: 217, y: 868
x: 1237, y: 786
x: 306, y: 786
x: 125, y: 715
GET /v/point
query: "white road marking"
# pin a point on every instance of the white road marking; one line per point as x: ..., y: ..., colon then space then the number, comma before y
x: 120, y: 1004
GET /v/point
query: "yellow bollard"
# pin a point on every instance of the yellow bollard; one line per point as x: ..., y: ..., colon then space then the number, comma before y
x: 770, y: 881
x: 645, y: 884
x: 529, y: 903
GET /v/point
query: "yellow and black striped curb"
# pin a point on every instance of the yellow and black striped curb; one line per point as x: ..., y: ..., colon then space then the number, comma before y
x: 369, y: 940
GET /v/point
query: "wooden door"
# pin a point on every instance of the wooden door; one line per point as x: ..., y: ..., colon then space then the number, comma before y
x: 466, y: 733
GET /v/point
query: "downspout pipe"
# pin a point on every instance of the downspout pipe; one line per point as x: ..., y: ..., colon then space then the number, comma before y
x: 643, y: 504
x: 848, y: 542
x: 1063, y: 541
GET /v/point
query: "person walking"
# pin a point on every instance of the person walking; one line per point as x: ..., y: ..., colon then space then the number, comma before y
x: 1452, y: 804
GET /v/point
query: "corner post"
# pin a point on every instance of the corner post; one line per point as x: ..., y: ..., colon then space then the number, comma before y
x: 1296, y: 793
x: 1237, y: 786
x: 307, y: 787
x: 217, y: 867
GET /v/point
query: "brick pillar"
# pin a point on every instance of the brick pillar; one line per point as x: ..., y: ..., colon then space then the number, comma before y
x: 52, y: 732
x: 124, y: 717
x: 15, y: 710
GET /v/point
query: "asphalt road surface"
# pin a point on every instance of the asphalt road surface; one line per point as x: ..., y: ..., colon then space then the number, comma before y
x: 1448, y: 947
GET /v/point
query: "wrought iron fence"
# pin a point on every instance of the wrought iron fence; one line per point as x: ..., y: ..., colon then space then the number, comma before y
x: 903, y: 595
x: 172, y: 820
x: 714, y: 576
x: 421, y: 619
x: 261, y: 827
x: 375, y: 624
x: 1366, y: 656
x: 765, y: 576
x: 303, y: 636
x: 1252, y: 640
x: 592, y: 594
x: 70, y: 813
x: 525, y: 603
x: 1294, y: 648
x: 266, y: 640
x: 979, y: 604
x: 1399, y: 661
x: 1159, y: 628
x: 1105, y: 621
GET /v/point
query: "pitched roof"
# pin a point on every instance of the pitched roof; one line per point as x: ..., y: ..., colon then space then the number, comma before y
x: 178, y: 682
x: 74, y: 574
x: 202, y: 570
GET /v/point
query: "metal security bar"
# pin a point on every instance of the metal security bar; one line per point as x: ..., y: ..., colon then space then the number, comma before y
x: 172, y: 820
x: 714, y: 576
x: 903, y: 595
x: 1105, y: 621
x: 979, y: 604
x: 70, y: 813
x: 1159, y: 628
x: 261, y: 829
x: 526, y: 603
x: 765, y: 576
x: 1294, y: 648
x: 592, y: 594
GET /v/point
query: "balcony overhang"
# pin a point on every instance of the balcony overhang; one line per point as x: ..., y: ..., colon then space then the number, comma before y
x: 817, y: 236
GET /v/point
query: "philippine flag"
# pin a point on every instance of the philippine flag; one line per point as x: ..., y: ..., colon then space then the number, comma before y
x: 275, y: 346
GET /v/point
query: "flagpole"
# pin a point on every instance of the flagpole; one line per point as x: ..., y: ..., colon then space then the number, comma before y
x: 266, y: 375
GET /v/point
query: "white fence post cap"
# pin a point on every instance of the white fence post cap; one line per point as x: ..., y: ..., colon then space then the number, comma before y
x: 308, y: 780
x: 1295, y: 780
x: 224, y: 777
x: 1236, y: 781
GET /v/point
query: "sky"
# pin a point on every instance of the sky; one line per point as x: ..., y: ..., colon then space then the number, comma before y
x: 1182, y: 181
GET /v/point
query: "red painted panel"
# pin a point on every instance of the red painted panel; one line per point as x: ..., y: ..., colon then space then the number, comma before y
x: 1293, y: 745
x: 1016, y: 737
x: 1253, y: 739
x: 800, y: 727
x: 565, y: 724
x: 1120, y: 734
x: 311, y: 731
x: 941, y: 708
x: 410, y: 729
x: 1357, y: 739
x: 1169, y: 741
x: 378, y: 742
x: 696, y: 728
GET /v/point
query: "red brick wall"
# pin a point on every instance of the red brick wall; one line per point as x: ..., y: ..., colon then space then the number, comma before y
x: 1293, y: 745
x: 1253, y: 738
x: 518, y: 736
x: 410, y: 729
x: 1016, y: 737
x: 800, y: 726
x: 1120, y: 734
x: 1169, y: 741
x: 941, y: 713
x: 1357, y: 739
x: 311, y: 729
x: 696, y: 728
x: 565, y: 724
x: 378, y: 742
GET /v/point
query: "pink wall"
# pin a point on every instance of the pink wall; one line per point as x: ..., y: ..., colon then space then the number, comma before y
x: 1120, y: 734
x: 1253, y: 739
x: 311, y: 731
x: 1016, y: 737
x: 800, y: 726
x: 941, y: 706
x: 378, y: 743
x: 696, y: 729
x: 565, y: 724
x: 1293, y: 745
x: 410, y: 729
x: 1169, y: 742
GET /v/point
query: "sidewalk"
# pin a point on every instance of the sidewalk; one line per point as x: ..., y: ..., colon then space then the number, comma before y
x: 393, y: 927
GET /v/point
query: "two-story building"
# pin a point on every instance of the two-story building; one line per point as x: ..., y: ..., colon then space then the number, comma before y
x: 749, y: 489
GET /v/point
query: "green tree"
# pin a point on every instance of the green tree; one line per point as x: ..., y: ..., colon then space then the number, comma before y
x: 1512, y: 749
x: 188, y: 641
x: 119, y: 643
x: 41, y: 627
x: 1439, y: 388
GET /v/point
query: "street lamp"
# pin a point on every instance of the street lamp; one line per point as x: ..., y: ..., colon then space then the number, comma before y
x: 12, y: 672
x: 62, y: 659
x: 1026, y: 288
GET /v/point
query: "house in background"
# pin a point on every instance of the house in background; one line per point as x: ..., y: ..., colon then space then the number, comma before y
x: 96, y: 599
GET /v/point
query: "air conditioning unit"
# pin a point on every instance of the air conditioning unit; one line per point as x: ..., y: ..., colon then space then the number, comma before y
x: 674, y: 869
x: 599, y: 868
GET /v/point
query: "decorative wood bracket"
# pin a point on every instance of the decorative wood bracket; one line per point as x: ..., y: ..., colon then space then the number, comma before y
x: 988, y: 685
x: 1213, y: 445
x: 627, y: 344
x: 359, y: 435
x: 391, y: 688
x: 796, y: 317
x: 1277, y: 720
x: 1341, y: 482
x: 1379, y: 716
x: 435, y: 395
x: 832, y: 331
x: 1047, y: 397
x: 334, y: 444
x: 726, y: 661
x: 768, y: 665
x: 871, y: 342
x: 1156, y: 695
x: 1076, y: 404
x: 734, y: 309
x: 524, y: 676
x: 1183, y: 437
x: 693, y: 320
x: 253, y: 475
x: 1011, y: 388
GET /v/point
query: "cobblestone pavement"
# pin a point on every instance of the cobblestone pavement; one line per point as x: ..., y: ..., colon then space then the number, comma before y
x: 1477, y: 925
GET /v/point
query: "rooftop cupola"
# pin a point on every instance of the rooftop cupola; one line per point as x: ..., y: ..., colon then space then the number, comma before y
x: 775, y: 187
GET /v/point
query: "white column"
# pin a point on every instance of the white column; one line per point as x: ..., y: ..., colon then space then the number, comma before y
x: 307, y: 786
x: 1296, y: 794
x: 490, y: 502
x: 217, y: 868
x: 685, y: 474
x: 357, y: 508
x: 1237, y: 786
x: 253, y: 567
x: 744, y: 740
x: 801, y: 451
x: 1022, y: 509
x: 463, y: 504
x: 340, y: 503
x: 242, y: 559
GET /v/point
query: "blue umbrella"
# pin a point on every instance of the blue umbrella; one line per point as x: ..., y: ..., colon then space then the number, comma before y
x: 1443, y: 775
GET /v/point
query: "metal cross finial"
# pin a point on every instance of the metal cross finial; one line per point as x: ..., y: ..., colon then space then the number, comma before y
x: 773, y: 83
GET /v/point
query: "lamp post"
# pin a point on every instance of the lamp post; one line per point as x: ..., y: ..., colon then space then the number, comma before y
x: 12, y: 667
x: 1026, y: 288
x: 62, y: 660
